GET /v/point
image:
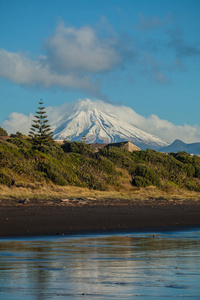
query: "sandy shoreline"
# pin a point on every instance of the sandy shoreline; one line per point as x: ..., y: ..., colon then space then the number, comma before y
x: 53, y: 218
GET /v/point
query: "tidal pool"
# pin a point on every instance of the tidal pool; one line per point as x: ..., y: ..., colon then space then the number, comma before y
x: 151, y: 265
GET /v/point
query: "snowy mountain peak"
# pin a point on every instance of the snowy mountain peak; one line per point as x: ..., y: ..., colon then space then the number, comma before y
x: 98, y: 122
x: 84, y: 105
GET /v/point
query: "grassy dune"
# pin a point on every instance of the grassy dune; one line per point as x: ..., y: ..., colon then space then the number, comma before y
x: 54, y: 192
x: 74, y: 170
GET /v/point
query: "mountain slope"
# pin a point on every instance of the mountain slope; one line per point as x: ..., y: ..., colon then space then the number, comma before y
x: 178, y: 145
x: 100, y: 125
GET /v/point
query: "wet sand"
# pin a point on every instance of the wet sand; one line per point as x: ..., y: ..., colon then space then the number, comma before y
x: 55, y: 217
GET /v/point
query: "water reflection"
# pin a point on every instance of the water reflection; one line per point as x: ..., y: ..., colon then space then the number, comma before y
x: 102, y: 266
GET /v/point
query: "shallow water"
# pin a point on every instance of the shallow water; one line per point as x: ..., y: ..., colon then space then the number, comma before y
x: 118, y: 266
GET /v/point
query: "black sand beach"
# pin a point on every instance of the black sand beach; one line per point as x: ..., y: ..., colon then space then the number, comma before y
x: 53, y: 218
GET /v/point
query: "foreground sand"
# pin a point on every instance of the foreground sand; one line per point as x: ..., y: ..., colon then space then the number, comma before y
x: 76, y: 216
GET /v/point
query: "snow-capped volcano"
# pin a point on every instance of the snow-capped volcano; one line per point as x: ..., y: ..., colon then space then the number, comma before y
x: 98, y: 122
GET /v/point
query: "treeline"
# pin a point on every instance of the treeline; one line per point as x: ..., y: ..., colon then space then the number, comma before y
x: 74, y: 163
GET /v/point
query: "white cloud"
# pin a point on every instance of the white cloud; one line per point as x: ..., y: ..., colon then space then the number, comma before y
x: 80, y: 50
x: 71, y: 56
x: 19, y: 69
x: 17, y: 122
x: 164, y: 129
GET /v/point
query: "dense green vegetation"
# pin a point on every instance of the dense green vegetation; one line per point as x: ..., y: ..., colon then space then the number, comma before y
x: 75, y: 163
x: 3, y: 132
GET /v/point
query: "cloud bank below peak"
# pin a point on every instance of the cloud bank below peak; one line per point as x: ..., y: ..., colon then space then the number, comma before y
x: 163, y: 129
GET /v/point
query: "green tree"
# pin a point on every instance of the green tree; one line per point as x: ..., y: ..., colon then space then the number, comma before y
x: 3, y: 132
x: 40, y: 131
x: 84, y: 139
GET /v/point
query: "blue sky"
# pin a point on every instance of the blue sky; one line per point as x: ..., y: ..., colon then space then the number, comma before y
x: 142, y: 54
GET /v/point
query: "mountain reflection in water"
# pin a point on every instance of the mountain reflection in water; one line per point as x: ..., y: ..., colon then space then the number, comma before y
x: 124, y: 266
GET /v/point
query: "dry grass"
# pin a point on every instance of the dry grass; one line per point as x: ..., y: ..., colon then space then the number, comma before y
x: 50, y: 192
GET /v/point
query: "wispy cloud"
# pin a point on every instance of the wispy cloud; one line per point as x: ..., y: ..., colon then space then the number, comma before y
x: 150, y: 23
x: 181, y: 47
x: 162, y: 54
x: 154, y: 68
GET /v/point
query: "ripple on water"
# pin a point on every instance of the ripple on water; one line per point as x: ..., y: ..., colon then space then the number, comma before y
x: 119, y: 266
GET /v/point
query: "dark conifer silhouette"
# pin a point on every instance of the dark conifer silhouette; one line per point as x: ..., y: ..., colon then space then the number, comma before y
x: 40, y: 131
x: 84, y: 139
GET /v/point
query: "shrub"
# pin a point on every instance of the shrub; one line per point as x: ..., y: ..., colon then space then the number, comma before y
x: 16, y: 135
x: 76, y: 147
x: 189, y: 169
x: 50, y: 147
x: 52, y: 171
x: 183, y: 157
x: 106, y: 166
x: 6, y: 179
x: 20, y: 142
x: 148, y: 175
x: 197, y: 171
x: 141, y: 181
x: 139, y: 156
x: 121, y: 157
x: 192, y: 185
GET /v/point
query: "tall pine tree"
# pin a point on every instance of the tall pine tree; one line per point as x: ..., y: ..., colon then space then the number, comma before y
x: 40, y: 131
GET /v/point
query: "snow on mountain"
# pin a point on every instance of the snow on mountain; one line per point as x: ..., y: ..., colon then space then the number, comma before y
x: 99, y: 122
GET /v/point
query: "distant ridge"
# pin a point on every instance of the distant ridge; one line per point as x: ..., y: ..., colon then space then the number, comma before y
x: 178, y: 145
